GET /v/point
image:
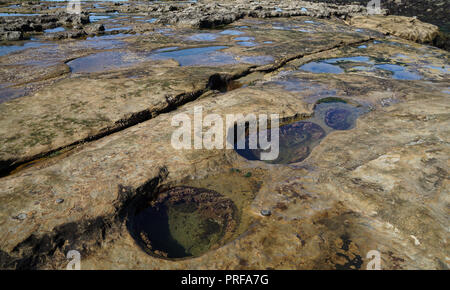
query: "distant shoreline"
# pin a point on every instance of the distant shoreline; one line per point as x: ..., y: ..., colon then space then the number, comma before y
x: 431, y: 11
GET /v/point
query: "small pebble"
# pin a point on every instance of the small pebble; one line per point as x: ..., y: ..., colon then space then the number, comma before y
x: 266, y: 212
x: 59, y: 200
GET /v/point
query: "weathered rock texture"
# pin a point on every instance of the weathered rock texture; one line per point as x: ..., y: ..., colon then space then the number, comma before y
x: 105, y: 141
x: 404, y: 27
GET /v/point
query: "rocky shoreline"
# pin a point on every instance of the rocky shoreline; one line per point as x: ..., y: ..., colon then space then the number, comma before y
x: 430, y: 11
x: 206, y: 15
x: 87, y: 103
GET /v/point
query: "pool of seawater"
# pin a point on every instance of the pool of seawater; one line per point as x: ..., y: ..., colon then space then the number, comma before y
x: 311, y: 91
x: 231, y: 32
x: 385, y: 67
x: 210, y: 56
x: 200, y: 56
x: 102, y: 42
x: 321, y: 67
x: 17, y: 46
x: 183, y: 222
x: 105, y: 60
x: 244, y: 38
x: 203, y: 37
x: 298, y: 139
x: 9, y: 93
x: 247, y: 43
x: 95, y: 17
x: 307, y: 26
x: 118, y: 28
x: 18, y: 14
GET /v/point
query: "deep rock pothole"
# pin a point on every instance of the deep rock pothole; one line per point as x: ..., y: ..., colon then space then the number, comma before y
x: 183, y: 222
x: 297, y: 139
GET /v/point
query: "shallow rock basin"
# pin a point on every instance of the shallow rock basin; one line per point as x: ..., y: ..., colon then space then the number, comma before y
x: 203, y: 37
x: 200, y: 56
x: 396, y: 70
x: 17, y: 46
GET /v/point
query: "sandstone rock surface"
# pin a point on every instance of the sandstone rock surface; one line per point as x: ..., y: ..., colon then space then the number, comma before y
x: 88, y: 138
x: 404, y: 27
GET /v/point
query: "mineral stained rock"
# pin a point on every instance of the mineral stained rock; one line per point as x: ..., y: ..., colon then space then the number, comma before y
x: 86, y: 135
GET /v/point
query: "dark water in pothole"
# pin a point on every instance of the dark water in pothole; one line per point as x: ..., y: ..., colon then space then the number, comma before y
x: 298, y: 139
x: 383, y: 67
x: 182, y: 222
x: 200, y: 56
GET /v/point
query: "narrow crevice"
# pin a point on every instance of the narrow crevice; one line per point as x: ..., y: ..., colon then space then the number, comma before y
x: 7, y: 166
x: 217, y: 81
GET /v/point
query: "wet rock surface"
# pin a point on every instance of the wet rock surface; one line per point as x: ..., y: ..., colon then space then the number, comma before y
x: 86, y: 133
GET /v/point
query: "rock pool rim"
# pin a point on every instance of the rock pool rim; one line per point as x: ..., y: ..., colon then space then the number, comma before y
x: 158, y: 198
